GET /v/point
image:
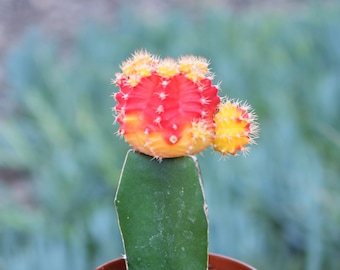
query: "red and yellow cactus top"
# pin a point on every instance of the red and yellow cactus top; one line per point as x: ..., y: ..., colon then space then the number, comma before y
x: 168, y: 108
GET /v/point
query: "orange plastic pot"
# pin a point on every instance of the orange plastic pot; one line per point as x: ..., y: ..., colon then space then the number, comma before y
x: 216, y: 262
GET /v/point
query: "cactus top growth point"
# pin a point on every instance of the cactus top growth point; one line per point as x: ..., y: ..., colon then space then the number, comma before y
x: 170, y: 108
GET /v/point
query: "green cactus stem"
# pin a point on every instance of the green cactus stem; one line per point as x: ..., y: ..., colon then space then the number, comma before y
x: 162, y: 213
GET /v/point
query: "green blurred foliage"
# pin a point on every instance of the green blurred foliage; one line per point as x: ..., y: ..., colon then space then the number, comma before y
x: 276, y: 209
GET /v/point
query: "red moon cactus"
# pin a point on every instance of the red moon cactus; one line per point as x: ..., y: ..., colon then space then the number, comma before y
x: 165, y: 108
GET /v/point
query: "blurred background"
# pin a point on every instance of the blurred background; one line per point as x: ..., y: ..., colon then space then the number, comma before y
x: 279, y: 208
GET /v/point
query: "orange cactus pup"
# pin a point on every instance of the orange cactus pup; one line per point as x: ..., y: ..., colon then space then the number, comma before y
x: 236, y: 127
x: 166, y: 108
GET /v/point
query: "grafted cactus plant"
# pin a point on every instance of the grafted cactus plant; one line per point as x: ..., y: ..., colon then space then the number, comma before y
x: 169, y: 110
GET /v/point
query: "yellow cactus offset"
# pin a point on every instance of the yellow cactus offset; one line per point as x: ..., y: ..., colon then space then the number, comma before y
x: 236, y: 127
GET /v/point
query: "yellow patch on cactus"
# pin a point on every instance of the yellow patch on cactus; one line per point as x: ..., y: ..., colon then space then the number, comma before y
x: 194, y: 68
x: 167, y: 68
x: 157, y: 144
x: 127, y: 68
x: 134, y: 79
x: 138, y: 67
x: 201, y: 132
x: 142, y: 56
x: 143, y: 70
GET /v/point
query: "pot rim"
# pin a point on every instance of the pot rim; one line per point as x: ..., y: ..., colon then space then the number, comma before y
x: 237, y: 262
x: 214, y: 256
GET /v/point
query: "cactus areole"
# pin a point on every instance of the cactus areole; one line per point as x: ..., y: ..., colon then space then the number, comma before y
x: 171, y: 108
